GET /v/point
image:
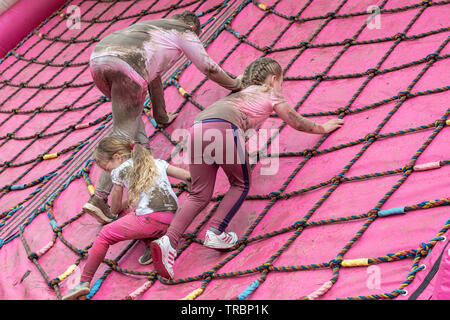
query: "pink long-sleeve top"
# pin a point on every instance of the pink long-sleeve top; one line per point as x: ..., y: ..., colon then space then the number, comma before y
x: 151, y: 47
x: 246, y: 109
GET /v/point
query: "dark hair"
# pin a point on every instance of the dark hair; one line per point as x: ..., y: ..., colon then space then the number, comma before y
x: 189, y: 18
x: 257, y: 71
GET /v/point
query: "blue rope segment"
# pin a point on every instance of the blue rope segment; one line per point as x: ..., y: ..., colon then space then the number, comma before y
x: 391, y: 211
x: 94, y: 288
x: 54, y: 224
x: 17, y: 187
x: 252, y: 287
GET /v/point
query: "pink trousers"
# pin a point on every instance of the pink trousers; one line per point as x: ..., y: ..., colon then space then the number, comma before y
x: 203, y: 167
x: 128, y: 227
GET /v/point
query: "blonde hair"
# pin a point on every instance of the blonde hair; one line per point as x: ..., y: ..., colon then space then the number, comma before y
x: 144, y: 171
x: 257, y: 72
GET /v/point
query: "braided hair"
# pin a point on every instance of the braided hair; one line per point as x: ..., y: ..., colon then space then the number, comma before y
x: 257, y: 72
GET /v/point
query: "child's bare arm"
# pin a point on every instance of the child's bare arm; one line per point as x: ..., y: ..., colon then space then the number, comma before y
x: 116, y: 199
x: 296, y: 121
x: 179, y: 173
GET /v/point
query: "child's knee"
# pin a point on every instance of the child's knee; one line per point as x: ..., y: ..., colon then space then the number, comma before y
x: 200, y: 198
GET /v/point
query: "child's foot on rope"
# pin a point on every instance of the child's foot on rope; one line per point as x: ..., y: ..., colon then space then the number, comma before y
x: 99, y: 209
x: 163, y: 256
x: 81, y: 289
x: 222, y: 241
x: 146, y: 258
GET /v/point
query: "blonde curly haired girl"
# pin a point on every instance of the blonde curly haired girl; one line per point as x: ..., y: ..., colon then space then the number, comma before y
x: 150, y: 198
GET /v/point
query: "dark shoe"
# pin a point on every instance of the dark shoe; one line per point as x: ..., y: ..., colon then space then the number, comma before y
x: 79, y: 290
x: 99, y: 209
x: 146, y: 258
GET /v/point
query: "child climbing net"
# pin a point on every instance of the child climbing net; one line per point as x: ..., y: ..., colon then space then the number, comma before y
x: 335, y: 264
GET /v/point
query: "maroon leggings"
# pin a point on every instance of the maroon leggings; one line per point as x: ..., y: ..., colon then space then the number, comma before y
x: 203, y: 168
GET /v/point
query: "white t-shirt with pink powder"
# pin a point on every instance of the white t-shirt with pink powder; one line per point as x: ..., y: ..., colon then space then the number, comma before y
x: 159, y: 197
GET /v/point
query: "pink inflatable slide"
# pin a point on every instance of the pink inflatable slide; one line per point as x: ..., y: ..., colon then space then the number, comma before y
x: 361, y: 213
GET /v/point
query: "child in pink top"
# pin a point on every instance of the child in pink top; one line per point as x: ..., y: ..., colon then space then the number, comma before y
x: 247, y: 109
x: 128, y: 63
x: 238, y: 112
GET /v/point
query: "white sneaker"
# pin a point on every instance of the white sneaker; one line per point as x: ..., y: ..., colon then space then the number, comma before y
x: 222, y: 241
x: 163, y: 256
x: 81, y: 289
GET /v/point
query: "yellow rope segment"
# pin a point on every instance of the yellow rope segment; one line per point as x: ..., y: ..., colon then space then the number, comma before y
x: 67, y: 272
x: 355, y: 262
x: 50, y: 156
x: 182, y: 92
x: 262, y: 6
x: 91, y: 189
x: 194, y: 294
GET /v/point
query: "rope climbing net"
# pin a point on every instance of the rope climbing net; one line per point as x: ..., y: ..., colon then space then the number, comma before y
x: 13, y: 221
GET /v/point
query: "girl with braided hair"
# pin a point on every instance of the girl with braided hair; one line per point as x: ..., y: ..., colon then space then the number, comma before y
x: 238, y: 112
